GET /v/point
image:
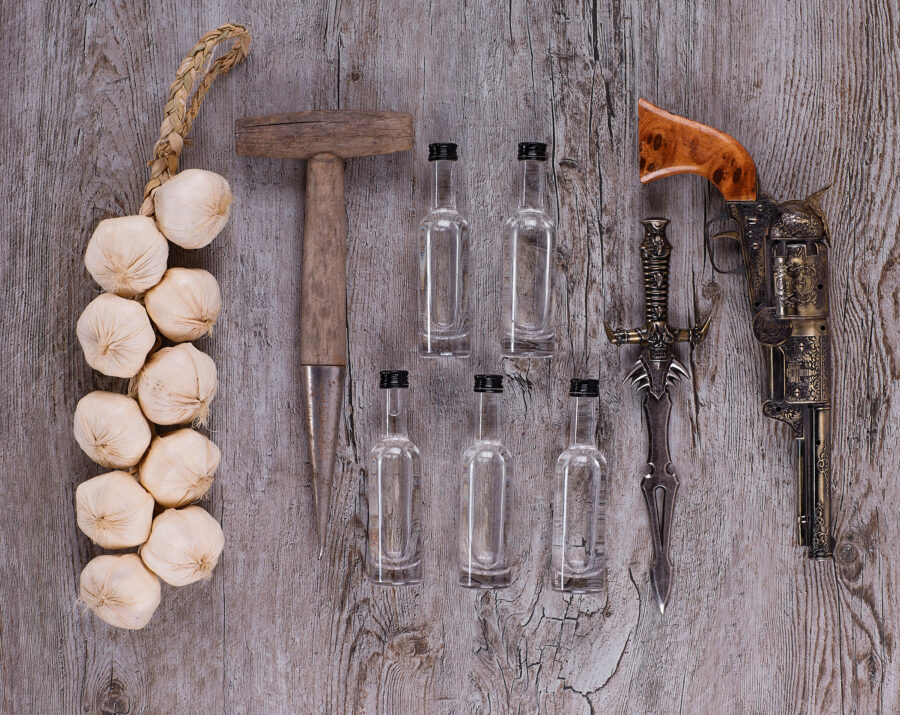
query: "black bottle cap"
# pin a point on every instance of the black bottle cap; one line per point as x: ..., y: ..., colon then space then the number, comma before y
x: 489, y: 383
x: 533, y: 150
x: 442, y: 150
x: 393, y: 378
x: 584, y: 388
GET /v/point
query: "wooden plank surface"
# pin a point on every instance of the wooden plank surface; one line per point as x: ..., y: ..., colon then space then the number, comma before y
x: 809, y: 87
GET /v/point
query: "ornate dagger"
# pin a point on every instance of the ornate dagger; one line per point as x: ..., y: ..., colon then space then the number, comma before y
x: 654, y: 372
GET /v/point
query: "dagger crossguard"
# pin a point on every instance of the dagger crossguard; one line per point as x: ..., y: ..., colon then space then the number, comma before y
x: 656, y: 336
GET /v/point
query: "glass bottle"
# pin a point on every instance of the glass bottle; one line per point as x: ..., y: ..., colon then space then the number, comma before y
x: 484, y: 495
x: 529, y: 254
x: 578, y: 556
x: 443, y: 271
x: 395, y: 496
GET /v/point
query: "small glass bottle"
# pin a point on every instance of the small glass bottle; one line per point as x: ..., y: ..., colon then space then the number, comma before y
x: 395, y: 496
x: 529, y: 255
x: 578, y: 556
x: 484, y: 495
x: 443, y: 265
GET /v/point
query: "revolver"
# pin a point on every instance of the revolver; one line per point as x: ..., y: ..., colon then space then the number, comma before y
x: 785, y: 255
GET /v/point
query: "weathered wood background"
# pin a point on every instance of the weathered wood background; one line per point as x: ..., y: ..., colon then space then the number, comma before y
x: 810, y: 87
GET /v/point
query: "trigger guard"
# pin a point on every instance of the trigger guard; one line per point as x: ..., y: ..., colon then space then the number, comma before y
x: 708, y: 240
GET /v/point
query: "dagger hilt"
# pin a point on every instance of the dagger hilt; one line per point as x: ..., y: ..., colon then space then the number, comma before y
x: 656, y: 252
x: 656, y: 335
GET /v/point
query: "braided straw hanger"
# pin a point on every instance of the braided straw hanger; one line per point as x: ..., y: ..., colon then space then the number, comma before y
x: 197, y: 72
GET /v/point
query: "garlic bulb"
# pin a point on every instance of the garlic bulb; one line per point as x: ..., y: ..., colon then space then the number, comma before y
x: 127, y: 255
x: 111, y: 429
x: 185, y: 304
x: 115, y: 334
x: 114, y: 510
x: 177, y: 385
x: 179, y: 467
x: 184, y: 545
x: 120, y: 590
x: 192, y: 207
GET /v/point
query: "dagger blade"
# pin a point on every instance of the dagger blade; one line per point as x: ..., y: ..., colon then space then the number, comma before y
x: 660, y: 485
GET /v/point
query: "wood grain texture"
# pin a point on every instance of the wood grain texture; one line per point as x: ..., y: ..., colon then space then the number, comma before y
x: 810, y: 89
x: 301, y: 135
x: 670, y: 145
x: 323, y: 286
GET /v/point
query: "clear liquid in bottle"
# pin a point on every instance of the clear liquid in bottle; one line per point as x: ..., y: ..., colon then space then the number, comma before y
x: 484, y: 495
x: 394, y: 490
x: 443, y: 326
x: 578, y: 553
x: 529, y: 254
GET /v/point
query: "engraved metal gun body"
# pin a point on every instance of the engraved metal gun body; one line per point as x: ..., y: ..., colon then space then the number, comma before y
x: 785, y: 249
x: 785, y: 255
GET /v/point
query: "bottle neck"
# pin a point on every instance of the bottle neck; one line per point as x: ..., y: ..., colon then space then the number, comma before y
x: 395, y: 411
x: 487, y: 419
x: 443, y: 186
x: 532, y: 193
x: 583, y: 421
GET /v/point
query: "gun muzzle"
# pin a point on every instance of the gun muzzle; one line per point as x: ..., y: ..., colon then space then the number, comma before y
x: 814, y: 483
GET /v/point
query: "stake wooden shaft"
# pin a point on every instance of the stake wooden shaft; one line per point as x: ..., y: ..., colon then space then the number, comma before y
x: 323, y: 318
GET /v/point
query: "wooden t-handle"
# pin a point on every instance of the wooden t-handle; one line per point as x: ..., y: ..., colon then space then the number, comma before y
x: 670, y: 145
x: 323, y: 320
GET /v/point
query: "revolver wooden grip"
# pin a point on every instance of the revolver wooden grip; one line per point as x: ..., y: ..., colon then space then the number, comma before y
x: 671, y: 145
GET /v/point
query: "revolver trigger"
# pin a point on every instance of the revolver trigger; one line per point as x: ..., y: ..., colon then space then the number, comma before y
x: 710, y: 238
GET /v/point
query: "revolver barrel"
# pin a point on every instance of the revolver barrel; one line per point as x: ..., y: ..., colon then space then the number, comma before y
x: 813, y: 477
